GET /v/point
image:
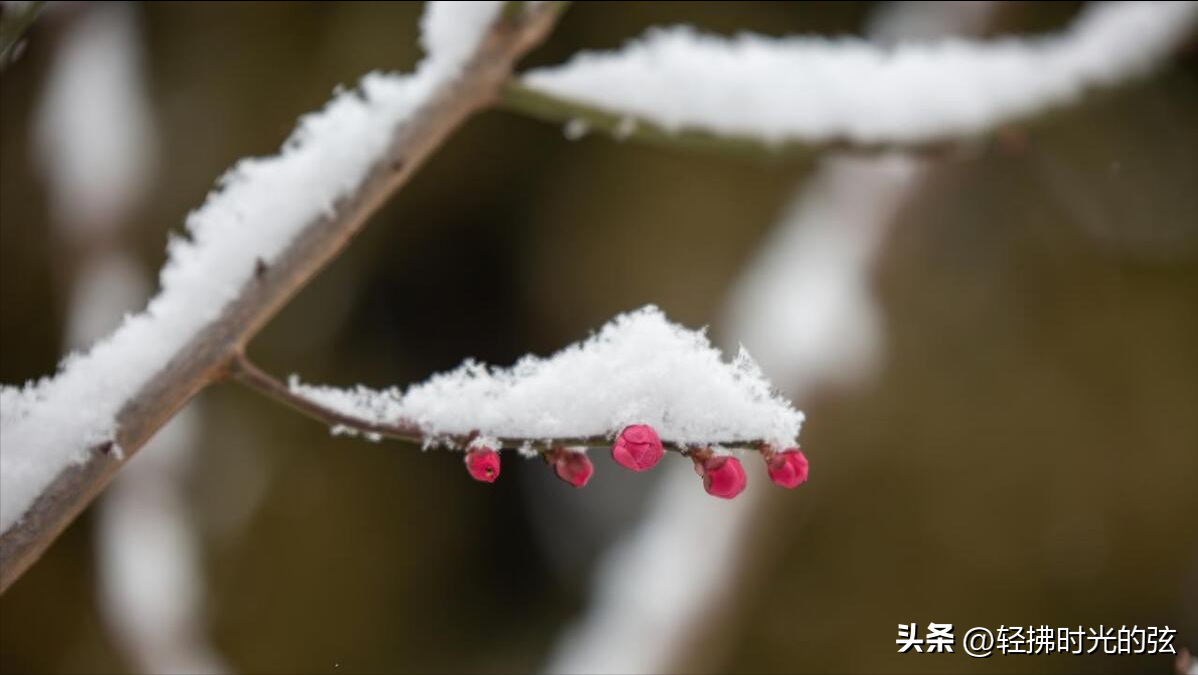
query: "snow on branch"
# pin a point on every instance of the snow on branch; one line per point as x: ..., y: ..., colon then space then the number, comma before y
x: 677, y: 85
x: 267, y: 227
x: 640, y: 372
x: 638, y: 369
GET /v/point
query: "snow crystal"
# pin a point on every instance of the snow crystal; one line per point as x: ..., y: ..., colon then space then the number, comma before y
x: 638, y: 369
x: 256, y: 210
x: 819, y: 89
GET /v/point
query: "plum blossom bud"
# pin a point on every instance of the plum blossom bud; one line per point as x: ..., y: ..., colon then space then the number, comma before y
x: 723, y: 476
x: 483, y: 464
x: 787, y: 468
x: 572, y: 466
x: 637, y: 448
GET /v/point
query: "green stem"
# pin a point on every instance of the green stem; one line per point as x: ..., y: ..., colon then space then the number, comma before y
x: 12, y: 28
x: 518, y: 97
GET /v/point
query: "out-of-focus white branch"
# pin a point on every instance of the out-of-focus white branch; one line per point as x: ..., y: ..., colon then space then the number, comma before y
x: 805, y: 308
x: 652, y: 584
x: 95, y: 142
x: 803, y: 305
x: 94, y: 131
x: 678, y: 86
x: 151, y: 586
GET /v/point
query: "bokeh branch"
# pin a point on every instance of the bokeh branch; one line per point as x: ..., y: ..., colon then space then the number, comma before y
x: 795, y: 96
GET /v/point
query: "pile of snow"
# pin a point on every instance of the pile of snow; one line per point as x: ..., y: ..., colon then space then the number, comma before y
x: 638, y: 369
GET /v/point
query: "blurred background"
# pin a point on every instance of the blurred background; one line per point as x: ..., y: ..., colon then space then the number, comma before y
x: 1014, y: 441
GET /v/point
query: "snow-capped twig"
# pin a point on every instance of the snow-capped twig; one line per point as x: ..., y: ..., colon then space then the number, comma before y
x: 267, y: 229
x: 639, y: 369
x: 242, y: 370
x: 247, y: 373
x: 751, y: 94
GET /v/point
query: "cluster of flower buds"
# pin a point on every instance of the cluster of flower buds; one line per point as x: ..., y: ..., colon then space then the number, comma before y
x: 639, y: 448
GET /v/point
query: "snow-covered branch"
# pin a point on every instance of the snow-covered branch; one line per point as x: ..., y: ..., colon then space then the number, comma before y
x: 639, y: 372
x: 270, y: 225
x: 753, y: 94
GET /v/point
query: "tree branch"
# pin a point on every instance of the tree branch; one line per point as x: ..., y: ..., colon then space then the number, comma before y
x: 520, y: 98
x: 844, y: 95
x: 242, y: 370
x: 208, y: 355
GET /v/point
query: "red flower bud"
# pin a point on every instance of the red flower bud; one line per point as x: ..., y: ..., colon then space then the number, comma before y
x: 483, y: 464
x: 723, y: 476
x: 637, y: 448
x: 572, y: 466
x: 787, y: 468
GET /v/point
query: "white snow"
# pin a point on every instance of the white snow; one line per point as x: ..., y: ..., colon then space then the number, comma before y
x: 815, y: 89
x: 638, y: 369
x: 255, y: 211
x: 449, y: 31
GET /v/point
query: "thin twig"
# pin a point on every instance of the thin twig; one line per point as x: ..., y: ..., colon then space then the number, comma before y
x: 245, y: 372
x: 242, y: 370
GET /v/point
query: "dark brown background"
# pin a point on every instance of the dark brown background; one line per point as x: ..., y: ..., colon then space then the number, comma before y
x: 1027, y: 455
